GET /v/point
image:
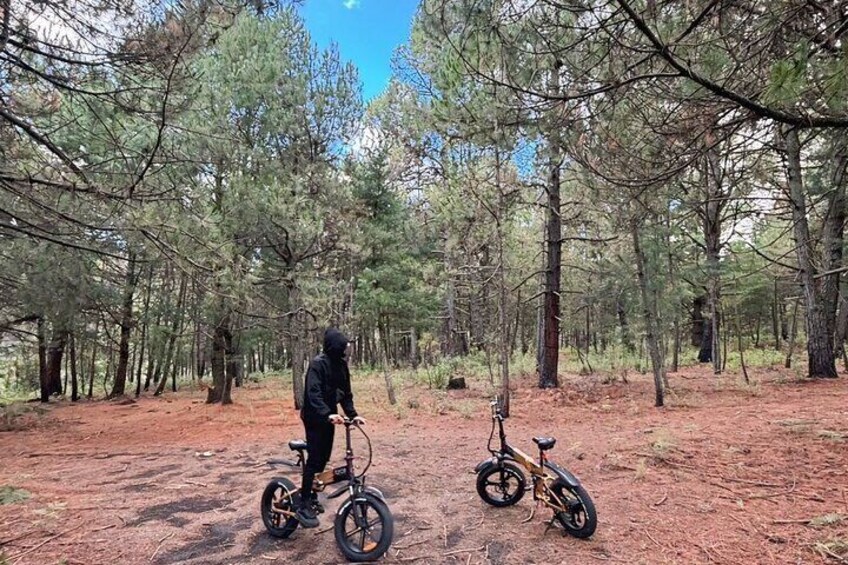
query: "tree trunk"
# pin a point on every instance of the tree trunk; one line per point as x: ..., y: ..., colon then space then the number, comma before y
x: 384, y: 348
x: 841, y: 327
x: 649, y: 308
x: 502, y: 289
x: 833, y: 228
x: 43, y: 378
x: 144, y: 326
x: 819, y: 338
x: 413, y: 347
x: 775, y: 317
x: 705, y: 353
x: 711, y: 214
x: 790, y: 349
x: 297, y: 346
x: 697, y: 320
x: 55, y: 352
x: 215, y: 393
x: 235, y: 358
x: 623, y: 324
x: 126, y: 328
x: 548, y: 368
x: 740, y: 345
x: 92, y: 367
x: 74, y: 376
x: 173, y: 333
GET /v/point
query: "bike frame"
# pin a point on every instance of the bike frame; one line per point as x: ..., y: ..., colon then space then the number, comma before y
x: 345, y: 473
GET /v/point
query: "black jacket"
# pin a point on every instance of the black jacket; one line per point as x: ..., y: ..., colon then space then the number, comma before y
x: 328, y: 382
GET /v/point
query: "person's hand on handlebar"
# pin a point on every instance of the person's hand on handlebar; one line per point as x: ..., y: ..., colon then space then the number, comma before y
x: 336, y: 419
x: 359, y: 421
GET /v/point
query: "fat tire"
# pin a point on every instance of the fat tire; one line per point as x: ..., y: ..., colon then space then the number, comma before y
x: 278, y: 528
x: 387, y: 522
x: 506, y: 468
x: 567, y: 520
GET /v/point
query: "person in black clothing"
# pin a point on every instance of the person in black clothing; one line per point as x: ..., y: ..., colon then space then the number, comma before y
x: 327, y: 386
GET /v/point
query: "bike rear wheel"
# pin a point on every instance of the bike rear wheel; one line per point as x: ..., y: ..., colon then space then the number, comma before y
x: 580, y: 518
x: 501, y: 485
x: 279, y: 502
x: 364, y: 528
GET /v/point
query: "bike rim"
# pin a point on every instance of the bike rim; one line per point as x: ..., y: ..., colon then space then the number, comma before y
x: 505, y: 485
x: 575, y: 517
x: 280, y: 501
x: 363, y: 527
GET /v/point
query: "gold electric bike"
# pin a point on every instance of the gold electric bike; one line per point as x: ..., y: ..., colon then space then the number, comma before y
x: 501, y: 481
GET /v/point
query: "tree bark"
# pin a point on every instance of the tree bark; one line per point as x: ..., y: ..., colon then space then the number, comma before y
x: 119, y: 385
x: 93, y: 365
x: 298, y: 347
x: 711, y: 215
x: 173, y: 333
x: 144, y: 327
x: 43, y: 380
x: 819, y: 339
x: 833, y: 228
x: 775, y: 317
x: 215, y: 393
x: 74, y: 376
x: 649, y: 309
x: 549, y: 366
x: 55, y: 352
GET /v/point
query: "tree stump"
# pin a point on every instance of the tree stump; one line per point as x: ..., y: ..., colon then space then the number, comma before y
x: 456, y: 383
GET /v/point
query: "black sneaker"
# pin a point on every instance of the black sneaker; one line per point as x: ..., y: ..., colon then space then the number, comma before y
x: 306, y: 516
x: 317, y: 506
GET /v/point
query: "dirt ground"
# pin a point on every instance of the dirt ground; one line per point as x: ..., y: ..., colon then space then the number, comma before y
x: 726, y: 474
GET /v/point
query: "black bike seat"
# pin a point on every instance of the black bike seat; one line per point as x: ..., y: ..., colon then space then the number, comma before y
x: 545, y: 443
x: 297, y: 445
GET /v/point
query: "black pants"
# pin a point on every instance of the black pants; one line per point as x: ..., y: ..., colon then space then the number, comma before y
x: 319, y: 442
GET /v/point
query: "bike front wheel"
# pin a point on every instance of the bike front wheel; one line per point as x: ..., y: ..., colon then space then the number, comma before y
x: 279, y: 502
x: 501, y: 485
x: 364, y: 528
x: 579, y: 518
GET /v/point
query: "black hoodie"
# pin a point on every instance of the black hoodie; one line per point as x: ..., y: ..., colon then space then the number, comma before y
x: 328, y: 381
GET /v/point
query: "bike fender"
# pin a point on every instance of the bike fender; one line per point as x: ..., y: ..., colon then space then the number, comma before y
x: 563, y: 474
x: 375, y: 492
x: 485, y: 464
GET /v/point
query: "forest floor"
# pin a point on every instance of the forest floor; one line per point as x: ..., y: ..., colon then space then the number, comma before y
x: 726, y: 473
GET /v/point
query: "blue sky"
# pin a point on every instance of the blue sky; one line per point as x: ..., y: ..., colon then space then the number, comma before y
x: 366, y: 31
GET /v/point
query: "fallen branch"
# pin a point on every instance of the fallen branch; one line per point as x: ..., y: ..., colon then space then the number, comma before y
x: 18, y: 557
x: 650, y: 537
x: 747, y: 482
x: 16, y: 538
x: 84, y: 454
x: 456, y: 551
x: 413, y: 544
x: 161, y: 541
x: 663, y: 499
x: 325, y: 530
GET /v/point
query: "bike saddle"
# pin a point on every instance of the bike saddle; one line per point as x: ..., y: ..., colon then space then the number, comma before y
x: 545, y: 443
x: 297, y: 445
